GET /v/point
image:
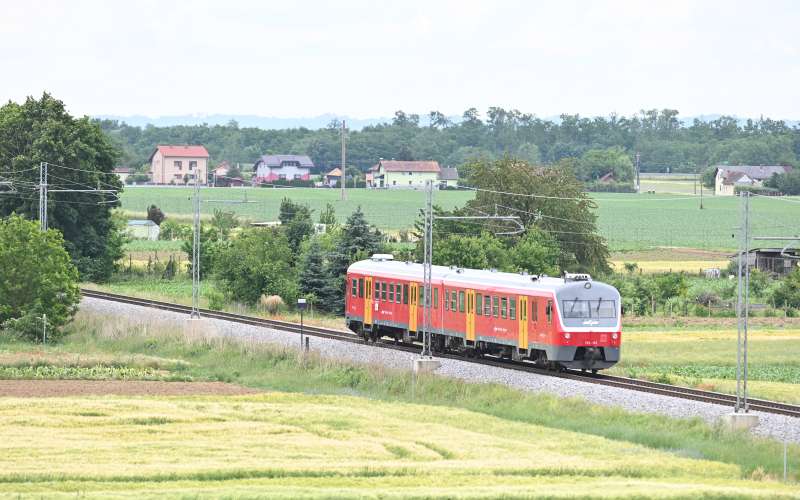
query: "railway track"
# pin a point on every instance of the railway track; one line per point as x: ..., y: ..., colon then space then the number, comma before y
x: 347, y: 336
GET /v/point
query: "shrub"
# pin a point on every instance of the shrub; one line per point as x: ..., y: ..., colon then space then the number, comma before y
x: 216, y: 300
x: 272, y: 304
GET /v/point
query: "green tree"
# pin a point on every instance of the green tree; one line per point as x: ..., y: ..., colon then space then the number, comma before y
x: 211, y: 244
x: 81, y: 156
x: 328, y: 215
x: 536, y: 252
x: 787, y: 294
x: 224, y: 222
x: 155, y: 214
x: 596, y: 163
x: 257, y: 262
x: 474, y: 252
x: 788, y: 183
x: 37, y: 277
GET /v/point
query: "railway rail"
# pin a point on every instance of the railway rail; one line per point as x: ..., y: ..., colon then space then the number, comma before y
x: 347, y: 336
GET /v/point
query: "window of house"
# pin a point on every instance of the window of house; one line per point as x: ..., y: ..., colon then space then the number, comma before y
x: 178, y: 164
x: 297, y: 177
x: 354, y: 289
x: 192, y: 165
x: 453, y: 299
x: 503, y: 307
x: 436, y: 298
x: 394, y: 183
x: 361, y: 287
x: 461, y: 301
x: 512, y: 308
x: 495, y: 306
x: 479, y: 303
x: 405, y: 294
x: 282, y: 177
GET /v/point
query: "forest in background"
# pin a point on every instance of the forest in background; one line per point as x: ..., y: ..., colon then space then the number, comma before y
x: 662, y: 139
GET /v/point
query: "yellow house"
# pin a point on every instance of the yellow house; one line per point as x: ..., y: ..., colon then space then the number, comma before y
x: 404, y: 174
x: 171, y: 164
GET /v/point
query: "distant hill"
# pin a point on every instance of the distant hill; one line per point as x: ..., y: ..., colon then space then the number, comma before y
x: 263, y: 122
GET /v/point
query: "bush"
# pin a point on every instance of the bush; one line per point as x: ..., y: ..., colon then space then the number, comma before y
x: 216, y: 300
x: 171, y: 230
x: 37, y: 277
x: 764, y: 191
x: 272, y: 304
x: 610, y: 187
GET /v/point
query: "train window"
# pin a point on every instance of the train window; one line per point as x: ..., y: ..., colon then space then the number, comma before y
x: 512, y: 308
x: 354, y: 288
x: 436, y: 298
x: 377, y: 290
x: 405, y: 294
x: 391, y: 292
x: 503, y: 307
x: 461, y: 301
x: 384, y: 289
x: 479, y: 303
x: 453, y: 300
x: 495, y: 306
x: 548, y: 311
x: 487, y: 306
x: 361, y: 287
x: 534, y: 310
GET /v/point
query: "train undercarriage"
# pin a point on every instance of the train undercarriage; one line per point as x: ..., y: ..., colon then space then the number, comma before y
x: 585, y: 358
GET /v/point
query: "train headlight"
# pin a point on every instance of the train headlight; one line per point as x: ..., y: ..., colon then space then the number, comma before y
x: 614, y: 336
x: 567, y: 336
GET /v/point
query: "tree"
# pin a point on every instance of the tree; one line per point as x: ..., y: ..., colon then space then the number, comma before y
x: 155, y: 214
x: 788, y: 292
x: 536, y: 252
x: 549, y: 199
x: 596, y: 163
x: 474, y: 252
x: 224, y: 222
x: 81, y: 156
x: 37, y: 277
x: 315, y: 279
x: 328, y: 215
x: 257, y: 262
x: 788, y: 183
x: 210, y: 246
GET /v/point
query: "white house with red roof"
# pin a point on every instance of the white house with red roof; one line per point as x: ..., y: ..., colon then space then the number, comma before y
x: 178, y: 164
x: 404, y: 174
x: 271, y: 168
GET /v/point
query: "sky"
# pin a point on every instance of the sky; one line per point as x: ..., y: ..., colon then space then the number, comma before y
x: 367, y: 59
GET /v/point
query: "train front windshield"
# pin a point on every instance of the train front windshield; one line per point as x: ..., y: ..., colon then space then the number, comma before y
x: 589, y: 309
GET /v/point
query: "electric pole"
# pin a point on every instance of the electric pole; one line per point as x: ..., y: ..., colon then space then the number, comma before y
x: 343, y: 180
x: 638, y: 181
x: 43, y: 196
x: 427, y: 271
x: 196, y: 250
x: 743, y: 304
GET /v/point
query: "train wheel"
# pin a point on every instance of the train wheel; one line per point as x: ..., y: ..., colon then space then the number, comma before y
x: 594, y: 371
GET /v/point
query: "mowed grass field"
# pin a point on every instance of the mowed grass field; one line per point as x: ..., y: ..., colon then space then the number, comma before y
x: 281, y: 445
x: 707, y: 359
x: 627, y: 221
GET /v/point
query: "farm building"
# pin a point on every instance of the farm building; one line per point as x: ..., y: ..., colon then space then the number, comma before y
x: 404, y: 174
x: 143, y: 229
x: 728, y: 178
x: 178, y: 164
x: 333, y: 177
x: 776, y: 261
x: 123, y: 173
x: 271, y: 168
x: 448, y: 177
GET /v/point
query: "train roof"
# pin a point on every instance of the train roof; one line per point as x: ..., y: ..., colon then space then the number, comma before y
x: 414, y: 271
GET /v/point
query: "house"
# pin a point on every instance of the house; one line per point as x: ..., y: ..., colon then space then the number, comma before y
x: 123, y: 173
x: 448, y: 177
x: 369, y: 177
x: 727, y: 178
x: 609, y: 177
x: 333, y: 177
x: 143, y: 229
x: 222, y: 169
x: 776, y: 261
x: 271, y: 168
x: 404, y: 174
x: 178, y: 164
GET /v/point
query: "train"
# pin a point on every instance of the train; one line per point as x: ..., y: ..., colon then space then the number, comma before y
x: 567, y: 322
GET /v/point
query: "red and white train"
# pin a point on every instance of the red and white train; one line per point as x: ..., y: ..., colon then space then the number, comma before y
x: 570, y: 322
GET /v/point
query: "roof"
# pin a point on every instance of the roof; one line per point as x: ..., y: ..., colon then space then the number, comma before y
x: 141, y: 223
x: 274, y: 161
x: 448, y: 174
x: 609, y: 177
x: 409, y: 166
x: 737, y: 178
x: 336, y: 172
x: 122, y: 170
x: 756, y: 172
x: 189, y: 150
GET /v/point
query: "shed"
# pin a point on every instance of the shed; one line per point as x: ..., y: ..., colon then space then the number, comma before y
x: 143, y: 229
x: 777, y: 261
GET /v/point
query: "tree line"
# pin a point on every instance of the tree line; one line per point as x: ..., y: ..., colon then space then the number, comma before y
x: 662, y: 139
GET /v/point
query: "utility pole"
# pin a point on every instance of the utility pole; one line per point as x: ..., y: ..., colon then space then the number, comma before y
x: 196, y: 250
x: 343, y: 180
x: 427, y: 271
x: 743, y: 305
x: 43, y: 196
x: 638, y: 181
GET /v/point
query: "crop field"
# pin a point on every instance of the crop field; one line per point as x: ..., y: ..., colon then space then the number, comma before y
x: 292, y: 445
x: 628, y: 221
x: 288, y: 427
x: 707, y: 359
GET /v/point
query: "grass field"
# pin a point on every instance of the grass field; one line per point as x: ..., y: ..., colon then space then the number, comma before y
x: 628, y: 221
x: 326, y: 429
x: 707, y: 359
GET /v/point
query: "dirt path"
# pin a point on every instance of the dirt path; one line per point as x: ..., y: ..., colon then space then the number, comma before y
x: 58, y: 388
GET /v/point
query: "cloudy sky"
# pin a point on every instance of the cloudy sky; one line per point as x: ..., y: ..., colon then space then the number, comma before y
x: 367, y: 59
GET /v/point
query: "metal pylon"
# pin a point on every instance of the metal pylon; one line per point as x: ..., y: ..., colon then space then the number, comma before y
x: 427, y: 271
x: 743, y: 304
x: 196, y: 248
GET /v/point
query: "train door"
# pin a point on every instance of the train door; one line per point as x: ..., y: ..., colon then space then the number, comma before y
x: 523, y: 323
x: 470, y: 329
x: 412, y: 308
x: 368, y: 301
